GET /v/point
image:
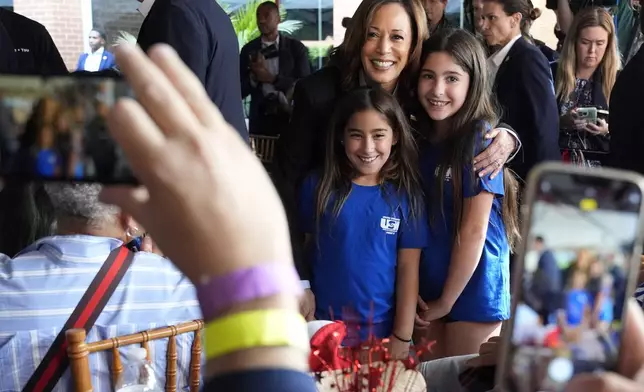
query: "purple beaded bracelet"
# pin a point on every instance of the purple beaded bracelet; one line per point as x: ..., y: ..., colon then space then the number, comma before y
x: 218, y: 293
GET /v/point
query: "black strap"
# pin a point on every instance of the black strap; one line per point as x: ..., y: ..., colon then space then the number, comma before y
x: 84, y: 316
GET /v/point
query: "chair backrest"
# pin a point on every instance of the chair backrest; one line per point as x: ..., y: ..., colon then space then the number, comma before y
x: 78, y: 351
x: 263, y: 147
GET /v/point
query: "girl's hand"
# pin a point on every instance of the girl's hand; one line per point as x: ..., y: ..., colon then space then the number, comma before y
x: 201, y: 181
x: 419, y: 321
x: 398, y: 349
x: 307, y: 305
x: 436, y: 310
x: 492, y: 159
x: 601, y: 128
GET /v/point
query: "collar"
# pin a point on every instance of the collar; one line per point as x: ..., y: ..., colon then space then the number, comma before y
x: 269, y: 43
x: 498, y: 57
x: 99, y: 52
x: 145, y: 6
x: 81, y: 246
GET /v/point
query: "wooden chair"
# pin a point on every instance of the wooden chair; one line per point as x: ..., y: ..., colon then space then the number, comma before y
x: 264, y: 147
x: 78, y: 351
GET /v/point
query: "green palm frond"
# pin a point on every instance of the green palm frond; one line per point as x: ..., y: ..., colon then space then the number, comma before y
x: 124, y: 38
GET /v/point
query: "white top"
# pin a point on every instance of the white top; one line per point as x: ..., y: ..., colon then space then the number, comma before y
x: 93, y: 60
x: 494, y: 62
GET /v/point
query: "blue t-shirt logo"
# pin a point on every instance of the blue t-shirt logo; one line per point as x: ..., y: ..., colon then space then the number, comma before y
x: 390, y: 225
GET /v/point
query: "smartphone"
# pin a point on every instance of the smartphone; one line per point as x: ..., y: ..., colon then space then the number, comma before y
x: 578, y: 265
x: 588, y: 114
x: 54, y: 129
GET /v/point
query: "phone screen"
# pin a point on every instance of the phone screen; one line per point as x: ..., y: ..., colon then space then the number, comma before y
x: 576, y: 273
x: 55, y: 129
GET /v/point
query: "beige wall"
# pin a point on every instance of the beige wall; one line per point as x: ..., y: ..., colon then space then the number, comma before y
x: 543, y: 28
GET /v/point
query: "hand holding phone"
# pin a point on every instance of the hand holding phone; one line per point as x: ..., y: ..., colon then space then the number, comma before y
x: 589, y: 115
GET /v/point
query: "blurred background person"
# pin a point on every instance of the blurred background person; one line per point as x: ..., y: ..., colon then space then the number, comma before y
x: 97, y: 58
x: 270, y: 65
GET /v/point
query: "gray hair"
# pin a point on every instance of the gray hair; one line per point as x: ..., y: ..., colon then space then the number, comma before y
x: 79, y: 201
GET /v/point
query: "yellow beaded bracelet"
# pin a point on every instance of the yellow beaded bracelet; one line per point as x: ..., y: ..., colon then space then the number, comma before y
x: 255, y: 328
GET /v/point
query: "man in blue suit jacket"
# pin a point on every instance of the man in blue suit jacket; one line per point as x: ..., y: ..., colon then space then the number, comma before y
x: 98, y: 59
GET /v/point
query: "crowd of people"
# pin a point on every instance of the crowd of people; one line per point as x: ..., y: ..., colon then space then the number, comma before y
x: 394, y: 194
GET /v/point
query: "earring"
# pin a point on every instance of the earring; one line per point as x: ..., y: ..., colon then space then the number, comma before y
x: 132, y: 232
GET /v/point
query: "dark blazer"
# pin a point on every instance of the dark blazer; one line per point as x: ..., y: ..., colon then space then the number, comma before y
x: 525, y: 90
x: 293, y: 65
x: 203, y: 35
x: 108, y: 61
x: 626, y: 117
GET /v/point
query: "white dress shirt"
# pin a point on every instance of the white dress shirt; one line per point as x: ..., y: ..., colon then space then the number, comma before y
x: 93, y: 60
x: 494, y: 62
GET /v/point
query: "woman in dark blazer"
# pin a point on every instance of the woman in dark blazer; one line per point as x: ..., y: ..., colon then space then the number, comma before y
x: 523, y: 82
x: 584, y: 77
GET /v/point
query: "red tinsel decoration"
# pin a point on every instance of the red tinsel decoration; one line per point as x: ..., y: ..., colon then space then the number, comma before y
x: 365, y: 367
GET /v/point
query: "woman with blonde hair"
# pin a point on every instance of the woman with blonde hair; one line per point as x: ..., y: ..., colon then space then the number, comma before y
x: 584, y: 77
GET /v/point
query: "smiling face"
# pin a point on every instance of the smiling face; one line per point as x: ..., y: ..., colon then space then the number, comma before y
x: 591, y: 47
x: 368, y: 139
x: 443, y: 86
x: 386, y: 48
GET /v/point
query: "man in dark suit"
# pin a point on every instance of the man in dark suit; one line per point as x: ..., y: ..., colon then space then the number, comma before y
x: 269, y: 67
x: 97, y: 59
x: 203, y: 35
x: 626, y: 117
x: 34, y: 50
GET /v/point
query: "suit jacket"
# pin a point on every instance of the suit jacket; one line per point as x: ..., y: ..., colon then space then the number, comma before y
x: 107, y: 61
x: 525, y: 91
x: 626, y: 117
x: 293, y: 65
x: 203, y: 35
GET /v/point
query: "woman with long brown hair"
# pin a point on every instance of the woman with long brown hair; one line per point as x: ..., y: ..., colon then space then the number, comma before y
x: 584, y: 78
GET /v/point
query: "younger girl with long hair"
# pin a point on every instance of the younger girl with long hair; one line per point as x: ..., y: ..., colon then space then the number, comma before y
x: 364, y: 220
x: 464, y: 274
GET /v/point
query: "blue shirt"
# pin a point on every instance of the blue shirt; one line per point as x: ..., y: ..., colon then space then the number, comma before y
x: 47, y: 161
x: 354, y: 255
x: 486, y: 298
x: 577, y: 300
x: 42, y: 285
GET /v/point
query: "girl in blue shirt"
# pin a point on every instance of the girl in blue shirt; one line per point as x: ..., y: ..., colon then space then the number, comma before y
x: 364, y: 220
x: 464, y: 273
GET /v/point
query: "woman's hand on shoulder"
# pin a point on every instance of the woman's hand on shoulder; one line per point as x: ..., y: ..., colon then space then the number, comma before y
x: 206, y: 199
x: 491, y: 160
